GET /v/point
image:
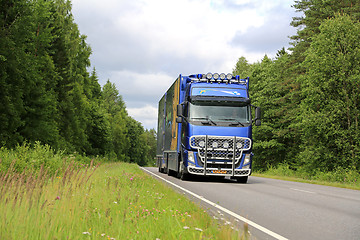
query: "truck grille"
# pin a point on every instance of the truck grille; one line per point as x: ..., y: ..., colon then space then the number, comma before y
x: 220, y: 147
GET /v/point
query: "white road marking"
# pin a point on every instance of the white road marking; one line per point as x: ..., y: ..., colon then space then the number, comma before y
x: 251, y: 223
x: 299, y: 190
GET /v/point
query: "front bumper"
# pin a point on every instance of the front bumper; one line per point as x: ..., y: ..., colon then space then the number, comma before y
x: 217, y: 172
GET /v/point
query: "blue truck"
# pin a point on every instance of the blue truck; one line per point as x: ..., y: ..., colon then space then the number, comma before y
x: 205, y: 127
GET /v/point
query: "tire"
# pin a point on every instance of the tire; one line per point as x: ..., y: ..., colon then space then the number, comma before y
x: 169, y: 172
x: 182, y: 174
x: 242, y: 180
x: 159, y: 166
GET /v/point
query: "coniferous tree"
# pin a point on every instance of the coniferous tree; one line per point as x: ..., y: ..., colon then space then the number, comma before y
x: 12, y: 15
x: 313, y: 13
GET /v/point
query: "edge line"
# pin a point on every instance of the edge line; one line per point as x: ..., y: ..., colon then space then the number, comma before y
x: 251, y: 223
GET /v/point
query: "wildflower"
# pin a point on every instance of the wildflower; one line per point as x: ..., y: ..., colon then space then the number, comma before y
x: 115, y: 202
x: 199, y: 229
x: 103, y: 234
x: 86, y: 233
x: 185, y: 227
x: 57, y: 198
x: 131, y: 179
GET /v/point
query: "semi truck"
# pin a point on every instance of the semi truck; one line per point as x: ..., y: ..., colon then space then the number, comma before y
x: 205, y: 127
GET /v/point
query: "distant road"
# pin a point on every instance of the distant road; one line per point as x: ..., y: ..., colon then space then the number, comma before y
x: 280, y: 209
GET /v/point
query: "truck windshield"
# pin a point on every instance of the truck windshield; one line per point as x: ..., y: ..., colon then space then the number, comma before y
x: 215, y: 112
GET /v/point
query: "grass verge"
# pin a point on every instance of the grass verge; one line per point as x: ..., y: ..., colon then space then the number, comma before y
x: 343, y: 178
x: 110, y: 201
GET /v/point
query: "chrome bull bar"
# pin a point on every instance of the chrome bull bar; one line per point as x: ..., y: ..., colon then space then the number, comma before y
x: 222, y: 150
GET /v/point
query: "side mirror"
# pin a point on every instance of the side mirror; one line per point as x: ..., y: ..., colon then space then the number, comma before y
x: 179, y: 110
x: 257, y: 116
x: 258, y: 113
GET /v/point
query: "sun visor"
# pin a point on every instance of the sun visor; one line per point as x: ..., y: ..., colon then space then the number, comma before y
x: 218, y: 92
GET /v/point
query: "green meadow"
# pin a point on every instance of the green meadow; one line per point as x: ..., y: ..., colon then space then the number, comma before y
x: 94, y: 199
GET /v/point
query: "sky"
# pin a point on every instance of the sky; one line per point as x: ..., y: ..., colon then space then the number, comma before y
x: 143, y: 45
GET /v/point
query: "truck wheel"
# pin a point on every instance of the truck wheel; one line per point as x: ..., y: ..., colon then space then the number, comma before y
x: 242, y: 179
x: 182, y: 174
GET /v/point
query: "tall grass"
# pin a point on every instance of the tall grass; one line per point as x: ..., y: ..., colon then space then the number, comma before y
x: 30, y: 158
x: 107, y: 201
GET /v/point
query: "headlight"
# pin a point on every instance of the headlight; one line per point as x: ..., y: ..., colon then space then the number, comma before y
x: 247, y: 159
x: 239, y: 145
x: 209, y: 76
x: 226, y: 145
x: 202, y: 144
x: 216, y: 76
x: 191, y: 156
x: 215, y: 145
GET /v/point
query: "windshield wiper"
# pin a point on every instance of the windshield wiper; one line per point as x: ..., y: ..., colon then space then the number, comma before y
x: 233, y: 123
x: 205, y: 118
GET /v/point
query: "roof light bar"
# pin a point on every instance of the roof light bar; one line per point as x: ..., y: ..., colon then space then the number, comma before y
x: 222, y: 76
x: 216, y: 77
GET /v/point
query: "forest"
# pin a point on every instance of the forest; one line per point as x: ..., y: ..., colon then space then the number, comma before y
x: 309, y: 94
x: 48, y: 95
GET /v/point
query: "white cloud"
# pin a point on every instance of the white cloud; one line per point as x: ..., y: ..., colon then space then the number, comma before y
x: 138, y: 89
x: 143, y: 45
x: 147, y: 115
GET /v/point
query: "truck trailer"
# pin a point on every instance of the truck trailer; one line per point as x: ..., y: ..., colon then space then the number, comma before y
x: 205, y: 127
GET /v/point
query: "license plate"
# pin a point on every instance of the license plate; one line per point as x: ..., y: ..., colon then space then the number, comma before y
x: 219, y: 171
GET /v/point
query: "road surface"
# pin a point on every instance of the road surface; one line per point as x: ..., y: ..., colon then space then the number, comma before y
x: 278, y: 209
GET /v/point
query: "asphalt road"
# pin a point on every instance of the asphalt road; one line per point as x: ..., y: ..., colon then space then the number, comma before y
x: 279, y: 209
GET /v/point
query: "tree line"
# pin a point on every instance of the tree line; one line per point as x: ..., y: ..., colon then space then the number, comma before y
x: 310, y: 93
x: 47, y: 93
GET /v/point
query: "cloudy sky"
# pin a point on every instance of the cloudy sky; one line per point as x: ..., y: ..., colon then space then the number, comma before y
x: 143, y: 45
